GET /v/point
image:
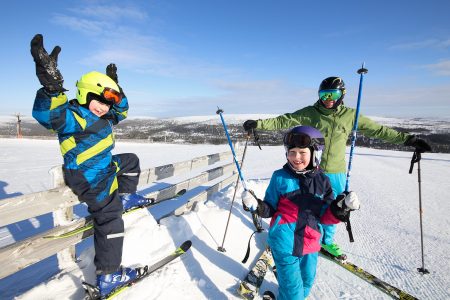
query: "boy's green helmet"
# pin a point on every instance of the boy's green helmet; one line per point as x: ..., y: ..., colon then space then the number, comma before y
x: 95, y: 82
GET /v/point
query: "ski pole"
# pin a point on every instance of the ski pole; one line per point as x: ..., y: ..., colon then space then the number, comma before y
x: 416, y: 159
x: 361, y: 71
x: 256, y: 218
x: 221, y: 248
x: 219, y: 112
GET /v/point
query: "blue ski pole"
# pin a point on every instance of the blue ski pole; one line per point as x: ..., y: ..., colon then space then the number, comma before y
x: 219, y: 112
x: 361, y: 71
x: 256, y: 219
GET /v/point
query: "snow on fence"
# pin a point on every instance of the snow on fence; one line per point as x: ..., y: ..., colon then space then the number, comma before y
x: 60, y: 201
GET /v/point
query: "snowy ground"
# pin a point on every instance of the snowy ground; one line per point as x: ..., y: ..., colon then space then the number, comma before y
x: 386, y: 229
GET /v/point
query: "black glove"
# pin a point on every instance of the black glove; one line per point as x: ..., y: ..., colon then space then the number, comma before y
x: 47, y: 65
x: 111, y: 71
x: 418, y: 143
x: 249, y: 125
x: 343, y: 205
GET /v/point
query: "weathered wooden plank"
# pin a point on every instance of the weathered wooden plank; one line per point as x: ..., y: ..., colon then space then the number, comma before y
x: 19, y: 255
x: 169, y: 170
x: 204, y: 195
x: 31, y: 205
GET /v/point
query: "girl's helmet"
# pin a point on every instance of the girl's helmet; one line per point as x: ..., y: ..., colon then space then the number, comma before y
x: 332, y: 86
x: 305, y: 137
x: 98, y: 86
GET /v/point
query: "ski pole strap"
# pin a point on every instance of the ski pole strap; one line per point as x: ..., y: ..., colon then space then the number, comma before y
x: 255, y: 217
x: 257, y: 222
x: 348, y: 226
x: 256, y: 137
x: 415, y: 159
x: 247, y: 254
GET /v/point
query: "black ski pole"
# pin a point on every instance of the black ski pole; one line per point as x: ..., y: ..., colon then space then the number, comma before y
x: 221, y: 248
x: 416, y: 159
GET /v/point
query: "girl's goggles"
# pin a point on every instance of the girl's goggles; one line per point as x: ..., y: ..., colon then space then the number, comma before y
x: 301, y: 140
x: 330, y: 95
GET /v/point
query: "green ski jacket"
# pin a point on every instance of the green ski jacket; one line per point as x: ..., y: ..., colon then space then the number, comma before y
x: 336, y: 125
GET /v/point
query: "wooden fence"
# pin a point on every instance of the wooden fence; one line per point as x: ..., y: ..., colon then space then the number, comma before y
x: 60, y: 201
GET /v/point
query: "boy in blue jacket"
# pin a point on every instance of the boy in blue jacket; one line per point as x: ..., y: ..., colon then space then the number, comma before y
x: 85, y: 132
x: 299, y: 199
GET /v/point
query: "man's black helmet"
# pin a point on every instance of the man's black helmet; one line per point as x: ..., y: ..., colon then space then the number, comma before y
x: 332, y: 83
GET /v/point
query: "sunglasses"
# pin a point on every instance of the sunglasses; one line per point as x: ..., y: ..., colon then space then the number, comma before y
x: 109, y: 94
x: 330, y: 95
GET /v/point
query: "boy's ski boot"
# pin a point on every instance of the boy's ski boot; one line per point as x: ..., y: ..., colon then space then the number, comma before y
x: 268, y: 295
x: 133, y: 200
x: 109, y: 282
x: 334, y: 250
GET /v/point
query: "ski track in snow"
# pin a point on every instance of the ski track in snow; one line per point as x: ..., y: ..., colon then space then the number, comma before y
x: 386, y: 229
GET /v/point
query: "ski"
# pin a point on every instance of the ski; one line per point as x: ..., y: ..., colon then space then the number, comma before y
x: 89, y: 224
x: 92, y: 291
x: 383, y: 286
x: 249, y: 287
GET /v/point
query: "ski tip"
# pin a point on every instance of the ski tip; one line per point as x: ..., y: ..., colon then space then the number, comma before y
x: 186, y: 245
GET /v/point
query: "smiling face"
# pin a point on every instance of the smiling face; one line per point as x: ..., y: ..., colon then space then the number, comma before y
x: 299, y: 158
x: 328, y: 103
x: 98, y: 108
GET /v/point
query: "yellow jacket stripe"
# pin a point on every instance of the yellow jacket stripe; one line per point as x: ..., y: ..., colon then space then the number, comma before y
x: 67, y: 145
x: 94, y: 150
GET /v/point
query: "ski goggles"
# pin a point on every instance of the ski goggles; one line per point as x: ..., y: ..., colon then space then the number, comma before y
x: 300, y: 140
x: 109, y: 94
x: 112, y: 95
x: 330, y: 95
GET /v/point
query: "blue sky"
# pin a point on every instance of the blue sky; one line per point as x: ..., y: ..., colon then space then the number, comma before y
x: 185, y: 58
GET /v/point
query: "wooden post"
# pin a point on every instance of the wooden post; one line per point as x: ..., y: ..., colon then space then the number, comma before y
x: 62, y: 217
x: 19, y: 128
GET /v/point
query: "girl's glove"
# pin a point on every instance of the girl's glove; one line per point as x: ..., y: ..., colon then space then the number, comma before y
x: 249, y: 201
x: 344, y: 203
x: 348, y: 200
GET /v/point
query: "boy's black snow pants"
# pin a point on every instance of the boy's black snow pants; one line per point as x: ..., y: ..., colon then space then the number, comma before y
x: 107, y: 213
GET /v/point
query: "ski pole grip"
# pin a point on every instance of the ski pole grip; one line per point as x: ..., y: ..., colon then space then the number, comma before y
x: 349, y: 230
x: 415, y: 159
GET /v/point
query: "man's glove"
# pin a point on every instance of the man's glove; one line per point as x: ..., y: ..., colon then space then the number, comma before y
x: 249, y: 201
x: 343, y: 204
x: 111, y: 71
x: 418, y: 143
x: 249, y: 125
x: 47, y: 65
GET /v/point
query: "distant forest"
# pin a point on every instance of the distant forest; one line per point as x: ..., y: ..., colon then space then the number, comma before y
x: 170, y: 131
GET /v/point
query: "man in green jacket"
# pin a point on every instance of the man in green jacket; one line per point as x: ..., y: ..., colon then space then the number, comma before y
x: 335, y: 121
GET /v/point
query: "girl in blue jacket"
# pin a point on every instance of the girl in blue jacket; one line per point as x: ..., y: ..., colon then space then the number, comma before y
x: 299, y: 199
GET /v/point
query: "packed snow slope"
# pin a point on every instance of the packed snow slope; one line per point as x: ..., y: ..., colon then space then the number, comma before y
x: 386, y: 229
